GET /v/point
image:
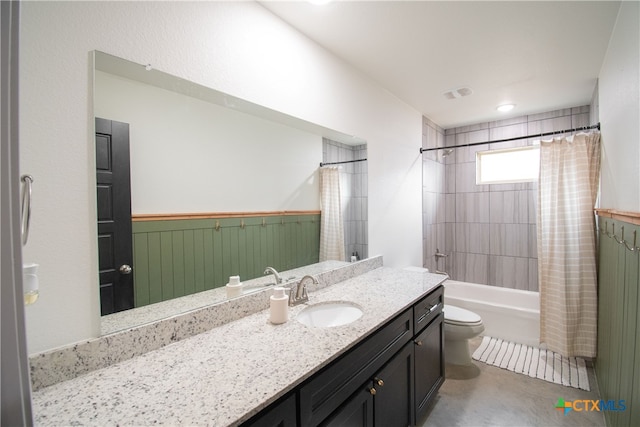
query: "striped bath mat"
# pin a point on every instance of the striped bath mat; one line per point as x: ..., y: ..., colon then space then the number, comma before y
x: 537, y: 363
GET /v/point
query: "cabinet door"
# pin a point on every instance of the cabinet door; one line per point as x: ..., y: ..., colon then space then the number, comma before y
x: 429, y: 365
x: 357, y: 411
x: 393, y: 401
x: 280, y: 414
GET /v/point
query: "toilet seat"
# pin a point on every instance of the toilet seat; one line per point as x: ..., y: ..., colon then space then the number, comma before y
x: 459, y: 316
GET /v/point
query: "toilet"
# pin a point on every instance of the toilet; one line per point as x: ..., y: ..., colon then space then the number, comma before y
x: 460, y: 325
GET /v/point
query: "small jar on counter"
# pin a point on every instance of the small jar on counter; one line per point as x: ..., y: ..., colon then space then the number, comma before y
x: 279, y: 306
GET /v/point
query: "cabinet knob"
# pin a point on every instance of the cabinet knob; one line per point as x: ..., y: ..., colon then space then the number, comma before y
x: 418, y: 342
x: 379, y: 381
x: 373, y: 391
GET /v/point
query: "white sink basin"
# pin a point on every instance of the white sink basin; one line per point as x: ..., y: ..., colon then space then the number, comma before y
x: 329, y: 314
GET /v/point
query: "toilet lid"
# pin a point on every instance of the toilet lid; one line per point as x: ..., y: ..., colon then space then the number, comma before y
x: 459, y: 316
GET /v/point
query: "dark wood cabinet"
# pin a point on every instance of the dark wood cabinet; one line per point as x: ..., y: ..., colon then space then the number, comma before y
x: 387, y: 380
x: 326, y: 391
x: 429, y: 365
x: 386, y: 400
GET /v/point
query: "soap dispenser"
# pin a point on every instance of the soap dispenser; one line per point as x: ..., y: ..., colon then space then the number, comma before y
x: 279, y: 306
x: 30, y: 282
x: 234, y: 287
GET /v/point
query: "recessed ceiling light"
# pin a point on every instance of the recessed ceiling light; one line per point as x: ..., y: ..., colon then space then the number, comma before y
x: 505, y: 107
x: 319, y: 2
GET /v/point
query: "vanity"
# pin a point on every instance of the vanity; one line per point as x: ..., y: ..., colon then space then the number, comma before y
x: 388, y: 379
x: 383, y: 368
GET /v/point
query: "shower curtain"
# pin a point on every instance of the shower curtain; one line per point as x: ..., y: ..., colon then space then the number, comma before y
x: 567, y: 191
x: 331, y: 226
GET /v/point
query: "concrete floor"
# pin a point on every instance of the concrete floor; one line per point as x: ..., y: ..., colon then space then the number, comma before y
x: 485, y: 395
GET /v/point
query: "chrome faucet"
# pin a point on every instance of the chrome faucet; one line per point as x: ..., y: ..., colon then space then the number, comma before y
x: 271, y: 270
x: 300, y: 295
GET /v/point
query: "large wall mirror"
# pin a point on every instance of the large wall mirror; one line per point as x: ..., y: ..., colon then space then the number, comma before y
x: 217, y: 187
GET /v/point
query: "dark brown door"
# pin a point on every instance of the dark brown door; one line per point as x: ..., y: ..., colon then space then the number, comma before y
x: 114, y: 216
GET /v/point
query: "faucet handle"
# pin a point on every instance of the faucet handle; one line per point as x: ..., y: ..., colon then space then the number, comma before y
x: 298, y: 292
x: 292, y: 294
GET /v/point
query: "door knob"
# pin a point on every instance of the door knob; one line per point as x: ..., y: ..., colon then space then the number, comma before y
x: 125, y: 269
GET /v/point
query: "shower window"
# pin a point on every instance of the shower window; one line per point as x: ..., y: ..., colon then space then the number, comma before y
x: 508, y: 166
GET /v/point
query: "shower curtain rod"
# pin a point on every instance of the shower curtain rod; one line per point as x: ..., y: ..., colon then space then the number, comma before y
x: 423, y: 150
x: 339, y: 163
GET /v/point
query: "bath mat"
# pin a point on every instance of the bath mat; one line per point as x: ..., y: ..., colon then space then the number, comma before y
x: 537, y: 363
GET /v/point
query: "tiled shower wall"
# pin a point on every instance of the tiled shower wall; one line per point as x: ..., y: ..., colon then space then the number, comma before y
x: 353, y: 192
x: 487, y: 232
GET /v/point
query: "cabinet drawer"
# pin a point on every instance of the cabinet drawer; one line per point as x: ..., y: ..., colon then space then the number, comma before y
x: 428, y: 308
x: 327, y: 390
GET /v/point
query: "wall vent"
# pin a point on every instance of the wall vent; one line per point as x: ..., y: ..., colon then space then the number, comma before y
x: 458, y: 93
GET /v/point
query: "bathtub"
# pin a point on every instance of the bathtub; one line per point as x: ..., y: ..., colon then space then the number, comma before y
x: 510, y: 314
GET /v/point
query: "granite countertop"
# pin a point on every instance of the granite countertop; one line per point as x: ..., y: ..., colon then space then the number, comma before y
x: 225, y: 375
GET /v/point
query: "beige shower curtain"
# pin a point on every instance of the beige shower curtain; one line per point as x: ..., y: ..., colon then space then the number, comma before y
x: 331, y: 226
x: 567, y: 191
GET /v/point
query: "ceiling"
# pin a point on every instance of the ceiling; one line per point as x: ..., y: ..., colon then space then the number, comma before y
x: 541, y: 56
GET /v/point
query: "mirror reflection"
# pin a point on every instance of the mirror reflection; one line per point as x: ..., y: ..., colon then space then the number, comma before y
x: 202, y: 186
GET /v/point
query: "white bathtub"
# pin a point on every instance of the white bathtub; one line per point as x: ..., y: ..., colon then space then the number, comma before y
x: 510, y: 314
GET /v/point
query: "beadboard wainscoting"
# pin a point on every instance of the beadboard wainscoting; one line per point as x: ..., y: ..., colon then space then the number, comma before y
x: 618, y: 362
x: 183, y: 254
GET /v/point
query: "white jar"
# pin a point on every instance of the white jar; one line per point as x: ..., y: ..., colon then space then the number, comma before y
x: 279, y: 306
x: 234, y: 287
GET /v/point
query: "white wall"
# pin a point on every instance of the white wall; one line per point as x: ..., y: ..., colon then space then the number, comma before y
x: 189, y: 155
x: 235, y: 47
x: 619, y: 99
